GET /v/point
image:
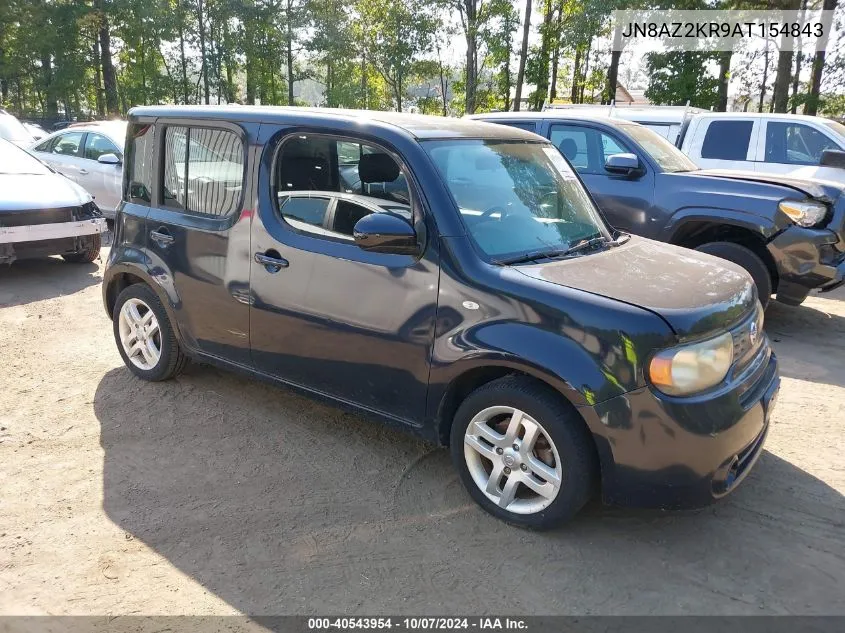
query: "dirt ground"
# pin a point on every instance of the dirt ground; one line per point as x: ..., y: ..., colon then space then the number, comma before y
x: 214, y: 494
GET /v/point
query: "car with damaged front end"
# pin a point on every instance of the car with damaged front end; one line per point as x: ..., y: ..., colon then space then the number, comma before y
x: 450, y: 278
x: 42, y: 213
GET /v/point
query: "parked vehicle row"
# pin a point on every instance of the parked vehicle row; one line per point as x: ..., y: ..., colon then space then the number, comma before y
x: 452, y: 278
x: 763, y: 142
x: 788, y: 233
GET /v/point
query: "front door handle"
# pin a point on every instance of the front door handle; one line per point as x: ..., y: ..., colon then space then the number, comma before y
x: 83, y: 171
x: 162, y: 237
x: 271, y: 260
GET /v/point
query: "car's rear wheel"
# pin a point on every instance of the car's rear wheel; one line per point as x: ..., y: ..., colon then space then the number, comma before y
x: 90, y: 251
x: 144, y: 336
x: 749, y: 260
x: 523, y: 453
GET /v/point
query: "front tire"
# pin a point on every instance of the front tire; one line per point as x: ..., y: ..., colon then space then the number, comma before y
x: 523, y: 453
x: 749, y: 260
x: 88, y: 254
x: 144, y: 336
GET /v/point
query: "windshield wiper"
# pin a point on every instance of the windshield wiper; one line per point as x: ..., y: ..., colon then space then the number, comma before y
x: 532, y: 256
x: 585, y: 244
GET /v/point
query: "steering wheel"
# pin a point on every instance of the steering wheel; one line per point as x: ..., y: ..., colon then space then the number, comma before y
x: 489, y: 211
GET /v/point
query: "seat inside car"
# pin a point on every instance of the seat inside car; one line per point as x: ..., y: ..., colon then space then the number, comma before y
x: 300, y: 169
x: 568, y: 148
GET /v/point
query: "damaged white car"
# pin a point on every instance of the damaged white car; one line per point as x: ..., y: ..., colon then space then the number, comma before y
x: 43, y: 213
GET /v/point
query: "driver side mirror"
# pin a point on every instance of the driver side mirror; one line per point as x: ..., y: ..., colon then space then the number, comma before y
x: 833, y: 158
x: 385, y: 233
x: 623, y: 164
x: 108, y: 159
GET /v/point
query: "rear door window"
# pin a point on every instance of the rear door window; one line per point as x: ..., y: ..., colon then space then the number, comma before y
x: 727, y: 140
x: 795, y: 143
x: 203, y: 170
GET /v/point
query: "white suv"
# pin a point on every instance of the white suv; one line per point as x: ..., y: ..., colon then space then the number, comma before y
x: 773, y: 143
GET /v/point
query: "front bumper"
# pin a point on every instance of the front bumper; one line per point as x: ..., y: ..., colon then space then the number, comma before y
x: 53, y: 231
x: 806, y: 259
x: 660, y: 451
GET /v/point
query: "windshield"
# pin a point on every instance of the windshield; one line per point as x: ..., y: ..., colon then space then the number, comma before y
x: 836, y: 127
x: 14, y: 160
x: 516, y: 197
x: 669, y: 157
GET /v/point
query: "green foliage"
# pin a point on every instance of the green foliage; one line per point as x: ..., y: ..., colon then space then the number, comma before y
x: 380, y: 54
x: 678, y: 77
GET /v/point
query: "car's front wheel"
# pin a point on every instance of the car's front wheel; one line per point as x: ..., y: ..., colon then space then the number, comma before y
x: 144, y: 336
x: 89, y: 252
x: 749, y: 260
x: 523, y: 453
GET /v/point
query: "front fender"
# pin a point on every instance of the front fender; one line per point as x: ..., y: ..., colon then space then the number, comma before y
x: 762, y: 226
x: 584, y: 371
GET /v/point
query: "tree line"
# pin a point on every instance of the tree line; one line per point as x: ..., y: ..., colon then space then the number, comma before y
x: 97, y: 58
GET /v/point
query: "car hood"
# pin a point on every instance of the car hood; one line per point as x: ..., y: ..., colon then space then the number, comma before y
x: 694, y: 293
x: 23, y: 192
x: 806, y: 186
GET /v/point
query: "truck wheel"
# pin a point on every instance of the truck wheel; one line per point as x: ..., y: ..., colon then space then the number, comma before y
x: 145, y: 339
x: 523, y: 453
x: 88, y: 254
x: 749, y: 260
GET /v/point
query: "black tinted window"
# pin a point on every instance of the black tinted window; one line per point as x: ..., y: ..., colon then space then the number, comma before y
x: 727, y: 140
x: 203, y: 170
x: 138, y: 174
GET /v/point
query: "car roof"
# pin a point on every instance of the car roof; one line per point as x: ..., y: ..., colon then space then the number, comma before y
x: 570, y: 115
x: 418, y: 126
x: 764, y: 115
x: 113, y: 129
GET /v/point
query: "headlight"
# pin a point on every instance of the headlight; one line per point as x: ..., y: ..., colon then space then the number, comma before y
x: 688, y: 369
x: 804, y: 213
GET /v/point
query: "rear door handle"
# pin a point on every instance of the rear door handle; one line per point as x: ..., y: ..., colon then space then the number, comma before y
x: 162, y: 237
x: 272, y: 261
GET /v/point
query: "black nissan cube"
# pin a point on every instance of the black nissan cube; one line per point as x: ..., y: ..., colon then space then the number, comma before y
x: 449, y: 277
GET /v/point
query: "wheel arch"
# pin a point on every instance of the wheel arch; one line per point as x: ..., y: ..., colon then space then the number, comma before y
x: 472, y: 377
x: 121, y: 277
x: 695, y: 231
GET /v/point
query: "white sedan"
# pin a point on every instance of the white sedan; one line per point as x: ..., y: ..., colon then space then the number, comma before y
x: 90, y: 154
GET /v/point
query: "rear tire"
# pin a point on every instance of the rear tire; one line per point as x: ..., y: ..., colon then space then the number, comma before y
x: 749, y: 260
x: 90, y: 252
x: 547, y: 452
x: 144, y: 336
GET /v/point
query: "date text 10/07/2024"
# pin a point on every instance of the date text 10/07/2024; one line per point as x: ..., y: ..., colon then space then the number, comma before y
x: 418, y: 623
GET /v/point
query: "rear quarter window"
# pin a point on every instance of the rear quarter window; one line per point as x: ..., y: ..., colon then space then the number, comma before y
x: 727, y: 140
x: 138, y: 183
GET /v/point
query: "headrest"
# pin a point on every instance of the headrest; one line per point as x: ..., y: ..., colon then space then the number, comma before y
x: 377, y: 168
x: 568, y: 148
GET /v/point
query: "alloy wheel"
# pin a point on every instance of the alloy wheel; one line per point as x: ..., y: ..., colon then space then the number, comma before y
x: 512, y: 459
x: 140, y: 334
